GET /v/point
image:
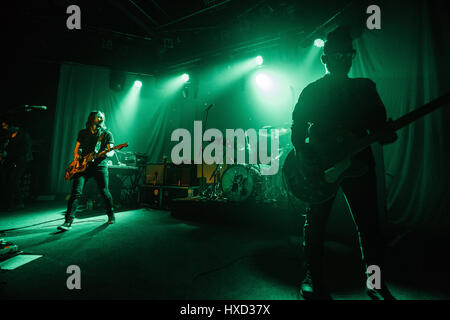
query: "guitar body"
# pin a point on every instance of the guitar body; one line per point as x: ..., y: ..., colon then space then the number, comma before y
x: 77, y: 166
x: 305, y: 188
x: 335, y: 160
x: 322, y: 183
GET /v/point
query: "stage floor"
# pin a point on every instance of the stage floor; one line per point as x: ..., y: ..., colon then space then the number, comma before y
x: 150, y: 254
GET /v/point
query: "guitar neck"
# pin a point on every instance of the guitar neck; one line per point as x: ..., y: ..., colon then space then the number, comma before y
x: 400, y: 123
x: 104, y: 152
x: 100, y: 154
x: 420, y: 112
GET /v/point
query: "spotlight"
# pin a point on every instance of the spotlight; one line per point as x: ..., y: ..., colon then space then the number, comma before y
x: 138, y: 84
x: 319, y: 43
x: 185, y: 77
x: 259, y: 60
x: 264, y: 81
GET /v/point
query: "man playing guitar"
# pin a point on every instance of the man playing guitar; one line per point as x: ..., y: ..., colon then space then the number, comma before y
x: 93, y: 139
x: 329, y: 105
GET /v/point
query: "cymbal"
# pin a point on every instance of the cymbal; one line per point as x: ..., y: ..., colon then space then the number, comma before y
x: 281, y: 130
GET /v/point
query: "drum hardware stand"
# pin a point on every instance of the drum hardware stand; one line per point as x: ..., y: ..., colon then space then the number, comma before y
x: 202, y: 190
x: 217, y: 185
x: 215, y: 191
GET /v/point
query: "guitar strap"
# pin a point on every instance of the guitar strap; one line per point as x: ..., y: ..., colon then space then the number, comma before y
x: 99, y: 142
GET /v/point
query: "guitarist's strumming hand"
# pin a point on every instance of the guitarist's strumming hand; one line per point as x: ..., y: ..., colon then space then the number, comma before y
x: 310, y: 161
x: 388, y: 133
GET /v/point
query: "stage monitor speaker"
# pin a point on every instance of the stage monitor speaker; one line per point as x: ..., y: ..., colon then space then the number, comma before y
x: 161, y: 196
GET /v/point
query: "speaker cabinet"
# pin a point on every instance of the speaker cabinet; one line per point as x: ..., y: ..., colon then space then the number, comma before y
x: 210, y: 172
x: 180, y: 175
x: 170, y: 174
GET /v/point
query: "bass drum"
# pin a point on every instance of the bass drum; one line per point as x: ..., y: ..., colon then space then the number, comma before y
x: 241, y: 182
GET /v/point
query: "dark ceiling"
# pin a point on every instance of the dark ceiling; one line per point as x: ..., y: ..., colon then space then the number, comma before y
x: 155, y: 35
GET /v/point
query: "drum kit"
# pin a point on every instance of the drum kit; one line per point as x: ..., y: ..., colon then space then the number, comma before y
x: 244, y: 182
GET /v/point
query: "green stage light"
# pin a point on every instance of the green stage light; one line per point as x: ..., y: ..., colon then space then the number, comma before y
x: 185, y: 77
x: 259, y: 60
x: 264, y: 82
x: 270, y: 93
x: 319, y: 43
x: 138, y: 83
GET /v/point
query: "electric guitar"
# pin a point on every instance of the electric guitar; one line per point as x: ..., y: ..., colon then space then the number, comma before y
x: 80, y: 165
x: 335, y: 158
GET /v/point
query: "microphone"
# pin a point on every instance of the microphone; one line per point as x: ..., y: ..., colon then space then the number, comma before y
x: 28, y: 108
x: 209, y: 107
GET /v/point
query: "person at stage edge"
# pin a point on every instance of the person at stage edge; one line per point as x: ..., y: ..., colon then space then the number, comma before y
x: 337, y: 103
x: 16, y: 156
x: 94, y: 138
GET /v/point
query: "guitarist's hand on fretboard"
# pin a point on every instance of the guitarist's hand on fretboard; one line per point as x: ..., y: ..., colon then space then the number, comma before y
x: 109, y: 152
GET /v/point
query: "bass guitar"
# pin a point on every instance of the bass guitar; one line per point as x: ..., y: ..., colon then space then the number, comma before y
x: 335, y: 158
x: 80, y: 165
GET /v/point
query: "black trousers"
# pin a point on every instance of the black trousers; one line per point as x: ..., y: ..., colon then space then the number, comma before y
x: 361, y: 195
x: 101, y: 176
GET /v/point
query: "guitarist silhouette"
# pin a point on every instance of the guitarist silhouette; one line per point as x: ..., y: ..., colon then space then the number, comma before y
x: 331, y: 105
x: 93, y: 139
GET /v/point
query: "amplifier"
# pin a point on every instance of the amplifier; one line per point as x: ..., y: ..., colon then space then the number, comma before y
x: 181, y: 175
x: 154, y: 174
x: 209, y: 172
x: 171, y: 175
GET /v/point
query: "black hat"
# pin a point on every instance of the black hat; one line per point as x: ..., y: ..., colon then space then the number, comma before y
x: 339, y: 40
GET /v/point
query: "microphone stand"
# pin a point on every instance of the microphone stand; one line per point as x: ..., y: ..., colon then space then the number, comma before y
x: 202, y: 184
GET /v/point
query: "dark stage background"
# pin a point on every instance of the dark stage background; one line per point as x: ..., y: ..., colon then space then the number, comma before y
x: 70, y: 72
